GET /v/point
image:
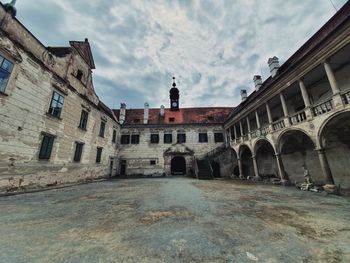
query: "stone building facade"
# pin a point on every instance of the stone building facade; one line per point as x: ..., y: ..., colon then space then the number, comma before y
x: 299, y: 117
x: 53, y: 127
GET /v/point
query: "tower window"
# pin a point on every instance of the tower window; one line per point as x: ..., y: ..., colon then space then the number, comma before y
x: 203, y: 137
x: 5, y: 72
x: 181, y: 138
x: 79, y: 75
x: 168, y: 138
x: 56, y: 104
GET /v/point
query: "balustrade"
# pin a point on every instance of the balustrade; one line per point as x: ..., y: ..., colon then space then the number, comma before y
x: 297, y: 117
x: 346, y: 97
x: 322, y: 108
x: 277, y: 125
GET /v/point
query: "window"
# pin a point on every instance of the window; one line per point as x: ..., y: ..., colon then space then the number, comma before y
x: 171, y: 119
x: 46, y: 147
x: 79, y: 75
x: 125, y: 139
x: 102, y: 129
x: 218, y: 137
x: 203, y: 137
x: 154, y: 138
x: 168, y: 138
x: 181, y: 138
x: 56, y: 104
x: 152, y: 162
x: 5, y: 72
x: 114, y: 137
x: 78, y: 151
x: 98, y: 154
x: 135, y: 139
x: 83, y: 119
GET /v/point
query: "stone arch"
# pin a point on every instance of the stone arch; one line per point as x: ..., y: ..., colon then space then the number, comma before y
x: 334, y: 139
x: 264, y: 152
x: 234, y: 159
x: 297, y: 149
x: 261, y: 140
x: 245, y: 155
x: 282, y: 134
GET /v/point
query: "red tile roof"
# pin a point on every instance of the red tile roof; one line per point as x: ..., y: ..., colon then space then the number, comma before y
x: 209, y: 115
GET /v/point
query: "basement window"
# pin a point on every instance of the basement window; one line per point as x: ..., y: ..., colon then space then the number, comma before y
x: 152, y: 162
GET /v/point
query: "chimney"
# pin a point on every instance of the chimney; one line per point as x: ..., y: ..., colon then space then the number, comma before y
x: 146, y: 113
x: 162, y: 111
x: 274, y: 65
x: 257, y: 82
x: 243, y: 95
x: 122, y: 113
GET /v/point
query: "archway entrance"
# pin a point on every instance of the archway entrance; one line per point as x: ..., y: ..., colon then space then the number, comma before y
x: 298, y: 150
x: 216, y: 169
x: 266, y: 160
x: 178, y: 165
x: 247, y: 162
x: 335, y: 140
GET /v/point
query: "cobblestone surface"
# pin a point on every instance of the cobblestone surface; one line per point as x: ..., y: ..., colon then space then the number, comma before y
x: 174, y: 220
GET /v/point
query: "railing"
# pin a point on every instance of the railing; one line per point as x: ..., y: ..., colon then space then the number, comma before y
x: 277, y: 125
x: 322, y: 108
x: 346, y: 97
x: 297, y: 117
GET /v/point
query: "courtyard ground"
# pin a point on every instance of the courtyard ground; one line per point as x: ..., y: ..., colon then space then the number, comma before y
x: 174, y: 220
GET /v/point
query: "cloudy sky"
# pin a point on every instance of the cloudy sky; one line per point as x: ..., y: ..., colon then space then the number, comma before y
x: 212, y: 47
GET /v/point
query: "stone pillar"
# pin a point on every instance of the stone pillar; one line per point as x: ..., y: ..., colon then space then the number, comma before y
x: 255, y: 164
x: 325, y: 166
x: 306, y: 100
x: 235, y: 132
x: 257, y: 119
x: 281, y: 171
x: 285, y: 110
x: 241, y: 128
x: 248, y: 125
x: 337, y: 101
x: 240, y: 168
x: 269, y: 116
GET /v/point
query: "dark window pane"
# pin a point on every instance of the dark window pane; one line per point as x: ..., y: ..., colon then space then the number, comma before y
x: 218, y: 137
x: 102, y: 129
x: 135, y: 139
x: 168, y: 138
x: 4, y: 77
x: 125, y: 139
x: 46, y: 147
x: 114, y: 137
x: 152, y: 162
x: 78, y: 151
x: 79, y: 75
x: 83, y: 119
x: 203, y: 137
x: 98, y: 155
x: 56, y: 104
x: 181, y: 138
x: 154, y: 138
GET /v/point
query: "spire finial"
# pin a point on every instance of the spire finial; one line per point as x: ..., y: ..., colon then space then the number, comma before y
x: 174, y: 84
x: 10, y: 7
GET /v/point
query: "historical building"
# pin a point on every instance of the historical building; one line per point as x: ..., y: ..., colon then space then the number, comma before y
x: 300, y: 115
x: 173, y: 140
x: 53, y: 127
x: 55, y: 130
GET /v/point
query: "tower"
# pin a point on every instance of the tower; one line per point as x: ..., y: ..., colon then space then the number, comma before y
x: 174, y: 97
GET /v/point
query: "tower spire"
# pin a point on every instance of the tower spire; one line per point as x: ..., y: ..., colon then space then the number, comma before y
x: 174, y: 97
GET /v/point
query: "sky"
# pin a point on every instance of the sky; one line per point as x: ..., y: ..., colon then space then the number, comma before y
x: 213, y: 48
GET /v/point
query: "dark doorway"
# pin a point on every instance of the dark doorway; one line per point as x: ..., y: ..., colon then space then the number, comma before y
x: 111, y: 168
x: 123, y: 168
x: 216, y: 169
x: 178, y: 166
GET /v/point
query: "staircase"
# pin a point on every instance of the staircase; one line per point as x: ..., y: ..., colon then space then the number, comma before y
x: 204, y: 170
